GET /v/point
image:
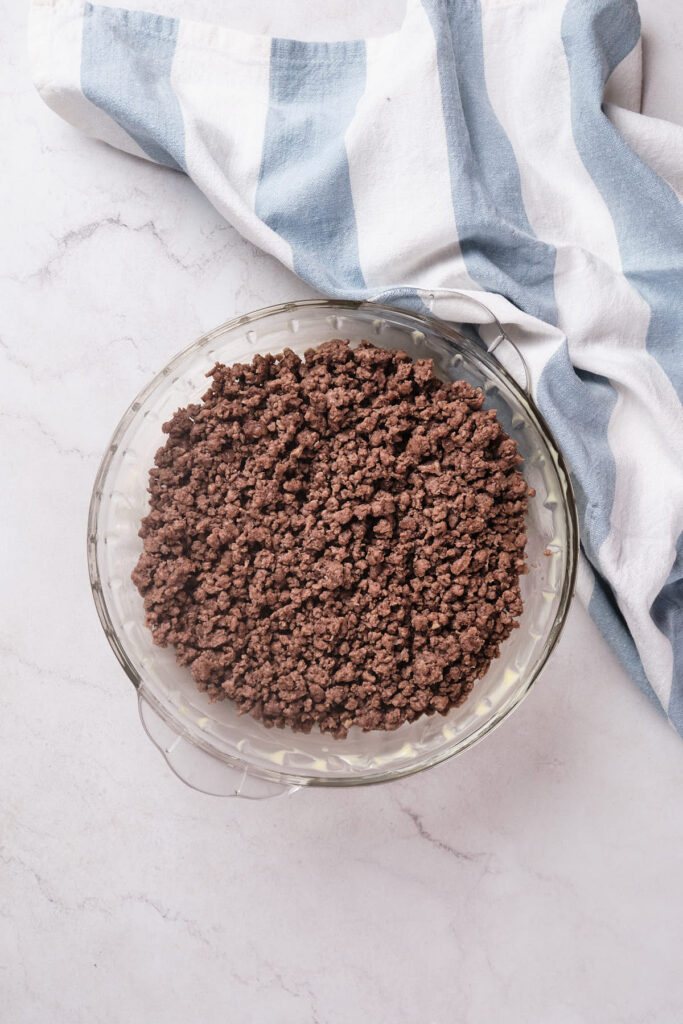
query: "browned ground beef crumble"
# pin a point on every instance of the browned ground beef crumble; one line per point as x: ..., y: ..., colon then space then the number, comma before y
x: 335, y: 541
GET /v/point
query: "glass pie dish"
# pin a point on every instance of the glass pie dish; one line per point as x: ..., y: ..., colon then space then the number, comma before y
x: 209, y: 745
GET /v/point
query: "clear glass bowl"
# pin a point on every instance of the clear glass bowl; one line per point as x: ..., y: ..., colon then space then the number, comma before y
x: 209, y: 745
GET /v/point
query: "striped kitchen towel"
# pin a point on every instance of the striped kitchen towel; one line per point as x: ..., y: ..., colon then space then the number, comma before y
x: 491, y: 146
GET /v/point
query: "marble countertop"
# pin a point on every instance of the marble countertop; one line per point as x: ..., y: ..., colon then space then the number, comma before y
x: 536, y: 878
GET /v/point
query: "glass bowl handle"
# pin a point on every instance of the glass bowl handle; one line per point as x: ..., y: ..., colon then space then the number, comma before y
x: 462, y: 308
x: 199, y: 769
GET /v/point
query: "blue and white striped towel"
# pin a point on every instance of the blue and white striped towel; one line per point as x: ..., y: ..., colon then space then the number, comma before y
x: 487, y: 145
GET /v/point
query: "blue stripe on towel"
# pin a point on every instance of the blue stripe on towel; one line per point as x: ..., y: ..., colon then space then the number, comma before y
x: 578, y: 405
x: 647, y: 215
x: 126, y: 63
x: 304, y: 189
x: 500, y: 249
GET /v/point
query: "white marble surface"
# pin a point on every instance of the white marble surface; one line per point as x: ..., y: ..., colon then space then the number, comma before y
x: 537, y: 878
